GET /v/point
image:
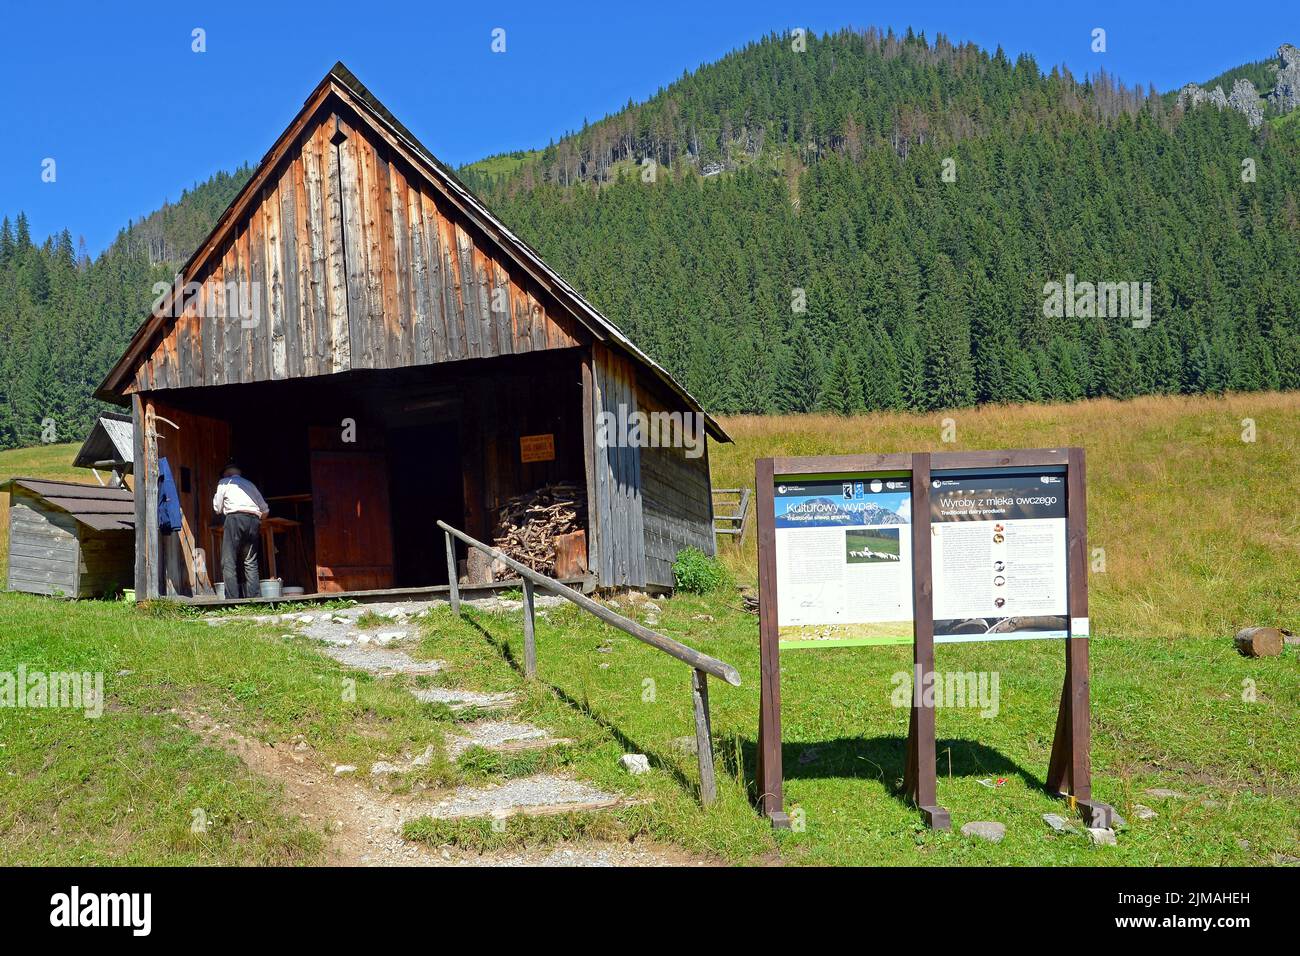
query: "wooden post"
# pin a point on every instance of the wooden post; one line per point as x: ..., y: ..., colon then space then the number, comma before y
x: 137, y: 484
x: 145, y: 469
x: 1069, y: 771
x: 590, y: 451
x: 919, y: 773
x: 704, y: 736
x: 530, y: 638
x: 770, y: 795
x: 452, y: 581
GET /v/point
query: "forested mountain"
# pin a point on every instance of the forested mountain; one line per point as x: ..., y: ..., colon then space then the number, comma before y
x: 64, y: 320
x: 871, y: 221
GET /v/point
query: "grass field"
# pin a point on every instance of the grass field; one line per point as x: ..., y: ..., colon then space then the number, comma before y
x: 1199, y: 530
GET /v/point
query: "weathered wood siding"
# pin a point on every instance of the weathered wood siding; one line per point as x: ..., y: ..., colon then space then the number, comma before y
x: 349, y: 259
x: 50, y: 552
x: 107, y: 562
x: 44, y: 552
x: 618, y: 523
x: 676, y: 498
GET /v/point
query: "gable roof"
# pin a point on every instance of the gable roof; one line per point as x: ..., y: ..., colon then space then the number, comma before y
x: 110, y: 440
x: 104, y: 509
x: 340, y: 82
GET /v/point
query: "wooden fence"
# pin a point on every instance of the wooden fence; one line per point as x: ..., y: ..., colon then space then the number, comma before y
x: 702, y: 665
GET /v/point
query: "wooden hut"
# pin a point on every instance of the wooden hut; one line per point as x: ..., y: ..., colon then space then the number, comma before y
x: 381, y: 352
x: 68, y: 539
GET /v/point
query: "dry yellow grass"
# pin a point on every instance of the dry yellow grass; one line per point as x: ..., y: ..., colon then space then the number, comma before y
x: 1199, y: 527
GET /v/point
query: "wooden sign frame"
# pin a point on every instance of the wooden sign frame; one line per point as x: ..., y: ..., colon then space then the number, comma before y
x: 1069, y: 773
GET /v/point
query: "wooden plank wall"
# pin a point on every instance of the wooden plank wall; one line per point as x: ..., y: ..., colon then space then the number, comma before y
x: 677, y: 502
x: 617, y: 473
x: 44, y: 552
x: 106, y: 565
x: 355, y: 261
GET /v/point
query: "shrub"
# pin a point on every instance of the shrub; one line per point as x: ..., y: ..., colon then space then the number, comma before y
x: 698, y: 573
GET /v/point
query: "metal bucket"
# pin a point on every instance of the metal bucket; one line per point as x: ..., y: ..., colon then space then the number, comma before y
x: 270, y: 588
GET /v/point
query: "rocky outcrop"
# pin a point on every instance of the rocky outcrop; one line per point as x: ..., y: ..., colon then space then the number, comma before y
x: 1286, y: 91
x: 1192, y: 96
x: 1245, y: 99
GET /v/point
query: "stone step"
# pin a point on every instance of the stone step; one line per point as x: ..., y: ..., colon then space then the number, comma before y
x: 500, y: 736
x: 461, y: 700
x: 540, y: 795
x: 380, y: 661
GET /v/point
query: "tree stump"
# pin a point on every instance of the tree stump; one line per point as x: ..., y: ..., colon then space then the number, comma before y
x: 1259, y: 641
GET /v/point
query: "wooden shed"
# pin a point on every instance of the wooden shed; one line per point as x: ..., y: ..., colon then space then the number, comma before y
x: 381, y: 352
x: 68, y: 539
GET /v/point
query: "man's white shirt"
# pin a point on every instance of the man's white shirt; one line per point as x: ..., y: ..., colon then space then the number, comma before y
x: 238, y: 495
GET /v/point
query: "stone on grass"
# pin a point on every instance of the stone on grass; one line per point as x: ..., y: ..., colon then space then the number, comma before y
x: 384, y: 638
x: 1164, y: 794
x: 1143, y: 812
x: 635, y: 764
x: 1117, y: 822
x: 1102, y: 836
x: 1057, y: 822
x: 343, y: 769
x: 985, y: 830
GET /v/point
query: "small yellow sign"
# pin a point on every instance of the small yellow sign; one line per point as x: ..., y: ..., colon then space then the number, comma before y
x: 536, y: 448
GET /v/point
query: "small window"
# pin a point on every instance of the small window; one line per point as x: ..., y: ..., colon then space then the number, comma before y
x: 185, y: 480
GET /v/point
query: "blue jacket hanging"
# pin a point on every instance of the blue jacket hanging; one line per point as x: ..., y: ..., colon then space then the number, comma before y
x: 169, y: 500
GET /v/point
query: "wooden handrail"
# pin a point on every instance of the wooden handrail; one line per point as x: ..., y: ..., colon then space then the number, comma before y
x: 702, y: 665
x: 688, y: 655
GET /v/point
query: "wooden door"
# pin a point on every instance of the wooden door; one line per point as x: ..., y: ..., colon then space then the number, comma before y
x: 354, y: 537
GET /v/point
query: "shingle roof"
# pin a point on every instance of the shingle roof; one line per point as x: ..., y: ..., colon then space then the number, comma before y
x: 104, y: 509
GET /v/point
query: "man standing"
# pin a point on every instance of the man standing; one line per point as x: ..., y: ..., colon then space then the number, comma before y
x: 242, y: 508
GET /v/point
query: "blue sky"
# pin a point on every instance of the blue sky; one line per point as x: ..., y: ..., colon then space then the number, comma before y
x: 114, y: 94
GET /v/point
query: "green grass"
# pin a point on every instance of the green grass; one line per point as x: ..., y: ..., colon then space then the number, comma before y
x: 1200, y: 537
x: 1166, y: 713
x: 122, y: 788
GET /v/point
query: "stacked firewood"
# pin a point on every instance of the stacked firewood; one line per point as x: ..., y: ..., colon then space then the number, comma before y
x: 528, y: 524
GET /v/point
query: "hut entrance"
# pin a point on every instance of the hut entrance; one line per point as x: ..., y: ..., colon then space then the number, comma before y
x: 425, y: 487
x: 359, y: 467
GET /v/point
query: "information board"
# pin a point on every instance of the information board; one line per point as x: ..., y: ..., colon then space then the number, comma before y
x: 926, y: 548
x: 998, y: 551
x: 844, y: 560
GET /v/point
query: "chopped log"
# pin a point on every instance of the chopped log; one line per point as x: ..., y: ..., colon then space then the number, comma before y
x: 571, y: 555
x: 478, y: 568
x: 1259, y: 641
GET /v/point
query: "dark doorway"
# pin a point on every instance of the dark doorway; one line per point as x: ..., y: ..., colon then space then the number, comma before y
x: 425, y: 486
